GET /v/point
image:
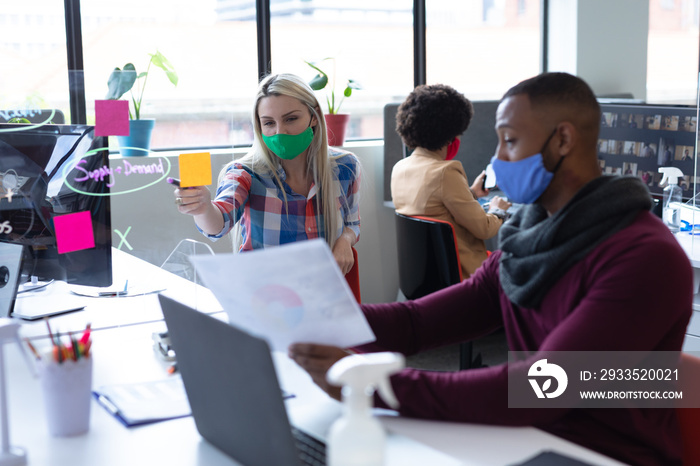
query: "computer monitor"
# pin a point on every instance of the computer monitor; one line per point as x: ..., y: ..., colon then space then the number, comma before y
x: 48, y: 171
x: 478, y: 145
x: 638, y: 139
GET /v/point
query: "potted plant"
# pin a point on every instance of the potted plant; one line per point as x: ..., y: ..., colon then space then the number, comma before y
x: 336, y: 122
x: 122, y: 81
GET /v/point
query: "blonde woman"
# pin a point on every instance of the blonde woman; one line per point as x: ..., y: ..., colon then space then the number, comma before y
x: 291, y: 186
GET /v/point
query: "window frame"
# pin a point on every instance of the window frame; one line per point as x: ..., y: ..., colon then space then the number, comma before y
x: 74, y: 43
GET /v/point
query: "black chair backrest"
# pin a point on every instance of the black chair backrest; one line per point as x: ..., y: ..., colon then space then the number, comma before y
x: 428, y: 259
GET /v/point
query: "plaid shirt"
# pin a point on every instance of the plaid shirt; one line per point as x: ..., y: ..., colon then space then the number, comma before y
x: 258, y: 202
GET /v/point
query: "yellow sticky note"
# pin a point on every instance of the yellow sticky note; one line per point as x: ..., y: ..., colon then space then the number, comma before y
x: 195, y: 169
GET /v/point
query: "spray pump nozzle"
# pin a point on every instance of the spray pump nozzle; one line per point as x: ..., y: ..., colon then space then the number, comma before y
x: 670, y: 175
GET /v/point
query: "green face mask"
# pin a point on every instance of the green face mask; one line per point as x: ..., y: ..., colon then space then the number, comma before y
x: 288, y: 146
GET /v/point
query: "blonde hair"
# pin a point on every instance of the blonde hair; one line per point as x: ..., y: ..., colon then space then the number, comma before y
x: 319, y: 163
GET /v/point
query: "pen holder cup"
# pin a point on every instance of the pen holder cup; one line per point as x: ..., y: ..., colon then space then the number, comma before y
x: 66, y: 389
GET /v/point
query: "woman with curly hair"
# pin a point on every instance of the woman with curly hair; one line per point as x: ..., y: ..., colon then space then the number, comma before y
x: 429, y: 183
x: 291, y: 186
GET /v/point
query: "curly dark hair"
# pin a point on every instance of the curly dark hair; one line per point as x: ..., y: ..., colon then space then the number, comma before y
x: 432, y: 116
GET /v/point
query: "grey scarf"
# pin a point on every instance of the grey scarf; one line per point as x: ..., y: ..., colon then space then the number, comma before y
x: 538, y: 250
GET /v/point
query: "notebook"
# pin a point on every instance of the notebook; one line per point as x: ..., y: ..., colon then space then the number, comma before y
x: 232, y: 388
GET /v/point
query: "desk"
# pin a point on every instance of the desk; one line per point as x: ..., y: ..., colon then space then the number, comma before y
x: 122, y: 348
x: 123, y: 354
x: 103, y: 313
x: 691, y: 246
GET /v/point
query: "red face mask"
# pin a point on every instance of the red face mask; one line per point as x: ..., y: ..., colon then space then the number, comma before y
x: 452, y: 149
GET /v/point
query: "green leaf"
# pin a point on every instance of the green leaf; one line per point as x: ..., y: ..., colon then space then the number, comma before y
x: 354, y: 84
x: 18, y: 120
x: 172, y: 76
x: 142, y: 75
x: 318, y: 82
x: 121, y: 81
x: 159, y: 60
x: 321, y: 80
x: 137, y: 109
x: 313, y: 65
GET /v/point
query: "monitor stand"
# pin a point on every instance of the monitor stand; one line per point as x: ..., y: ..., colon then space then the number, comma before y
x: 32, y: 285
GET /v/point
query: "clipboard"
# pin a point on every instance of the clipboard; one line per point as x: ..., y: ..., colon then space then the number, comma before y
x: 145, y: 403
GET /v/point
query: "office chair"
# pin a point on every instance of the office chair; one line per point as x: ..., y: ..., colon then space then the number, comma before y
x: 353, y: 278
x: 689, y: 418
x: 429, y: 261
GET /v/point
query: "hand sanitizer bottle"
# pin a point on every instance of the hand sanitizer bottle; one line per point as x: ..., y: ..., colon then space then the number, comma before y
x: 357, y: 438
x: 673, y: 195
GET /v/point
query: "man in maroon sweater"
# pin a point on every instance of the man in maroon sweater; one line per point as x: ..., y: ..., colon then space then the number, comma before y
x: 584, y: 266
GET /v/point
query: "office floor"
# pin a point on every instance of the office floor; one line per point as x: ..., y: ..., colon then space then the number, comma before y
x: 493, y: 351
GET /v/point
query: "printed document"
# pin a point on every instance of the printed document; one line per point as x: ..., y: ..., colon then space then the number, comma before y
x: 286, y: 294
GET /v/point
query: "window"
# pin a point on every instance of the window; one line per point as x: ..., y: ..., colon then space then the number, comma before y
x: 370, y: 40
x: 33, y: 54
x: 482, y: 48
x: 672, y: 57
x: 215, y: 60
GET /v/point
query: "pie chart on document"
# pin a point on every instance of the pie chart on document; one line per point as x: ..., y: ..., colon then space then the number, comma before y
x: 278, y: 306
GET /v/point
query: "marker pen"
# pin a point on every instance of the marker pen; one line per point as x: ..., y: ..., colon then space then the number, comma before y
x: 174, y: 181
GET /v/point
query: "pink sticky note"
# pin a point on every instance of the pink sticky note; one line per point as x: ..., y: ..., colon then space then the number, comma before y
x: 111, y: 118
x: 195, y: 169
x: 74, y: 232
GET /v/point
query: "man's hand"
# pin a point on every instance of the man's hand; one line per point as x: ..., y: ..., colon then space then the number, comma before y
x: 316, y: 360
x: 499, y: 203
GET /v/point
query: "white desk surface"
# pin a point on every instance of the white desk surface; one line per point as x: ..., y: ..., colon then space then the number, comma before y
x: 112, y: 312
x: 691, y: 246
x: 123, y: 354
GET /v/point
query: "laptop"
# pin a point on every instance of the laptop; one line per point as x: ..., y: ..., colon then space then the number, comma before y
x: 233, y: 390
x: 10, y: 271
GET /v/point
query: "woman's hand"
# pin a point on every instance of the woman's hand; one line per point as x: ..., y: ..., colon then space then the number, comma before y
x: 193, y: 201
x: 316, y: 360
x: 196, y: 201
x: 342, y: 251
x: 477, y: 186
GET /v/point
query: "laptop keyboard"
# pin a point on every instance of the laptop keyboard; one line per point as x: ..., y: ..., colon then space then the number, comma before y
x: 311, y: 450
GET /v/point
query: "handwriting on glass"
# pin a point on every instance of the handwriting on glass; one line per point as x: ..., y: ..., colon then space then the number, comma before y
x: 106, y: 173
x: 20, y: 113
x: 5, y: 227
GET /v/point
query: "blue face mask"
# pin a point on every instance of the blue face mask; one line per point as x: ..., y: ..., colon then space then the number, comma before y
x: 525, y: 180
